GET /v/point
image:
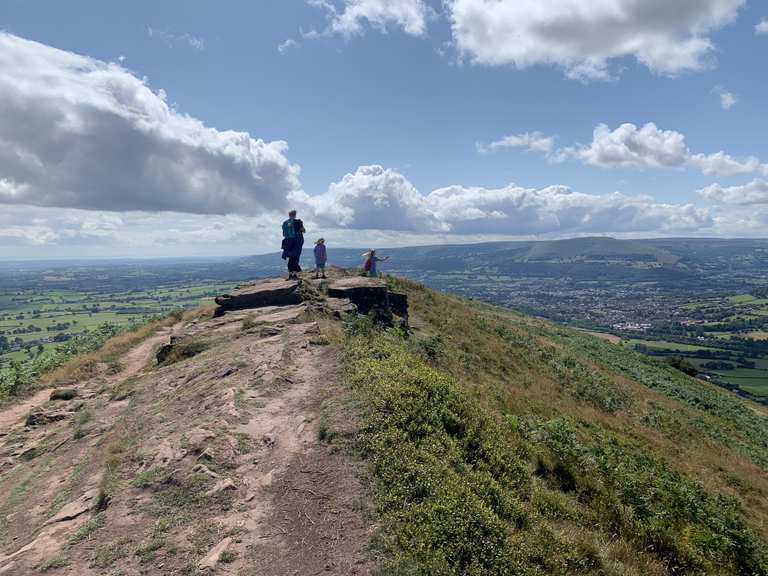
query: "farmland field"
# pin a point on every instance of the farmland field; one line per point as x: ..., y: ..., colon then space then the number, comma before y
x: 32, y: 321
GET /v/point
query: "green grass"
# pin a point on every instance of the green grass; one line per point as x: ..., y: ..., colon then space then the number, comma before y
x: 52, y: 564
x: 87, y: 530
x: 673, y: 346
x: 518, y: 447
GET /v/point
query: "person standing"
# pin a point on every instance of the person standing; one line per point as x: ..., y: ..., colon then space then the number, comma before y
x: 370, y: 263
x: 321, y: 257
x: 293, y: 243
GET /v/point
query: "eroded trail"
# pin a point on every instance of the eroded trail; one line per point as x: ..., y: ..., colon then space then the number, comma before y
x: 211, y: 462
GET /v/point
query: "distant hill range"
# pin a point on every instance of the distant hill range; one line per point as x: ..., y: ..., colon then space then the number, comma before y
x: 583, y: 259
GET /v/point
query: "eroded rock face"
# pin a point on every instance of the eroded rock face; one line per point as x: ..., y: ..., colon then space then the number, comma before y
x: 340, y: 296
x: 270, y: 292
x: 370, y: 294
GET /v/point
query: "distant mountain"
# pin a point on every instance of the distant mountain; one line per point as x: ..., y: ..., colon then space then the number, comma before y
x: 658, y: 260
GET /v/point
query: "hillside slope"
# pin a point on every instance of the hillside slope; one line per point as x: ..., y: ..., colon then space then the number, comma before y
x: 209, y: 461
x: 299, y: 440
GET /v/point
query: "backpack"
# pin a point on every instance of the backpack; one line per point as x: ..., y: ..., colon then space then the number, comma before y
x: 368, y: 264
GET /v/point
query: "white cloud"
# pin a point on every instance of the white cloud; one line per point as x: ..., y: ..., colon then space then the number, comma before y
x: 754, y: 193
x: 650, y: 147
x: 77, y: 132
x: 372, y: 198
x: 529, y: 141
x: 171, y: 40
x: 762, y: 27
x: 75, y: 232
x: 375, y: 198
x: 412, y: 16
x: 283, y: 47
x: 584, y: 36
x: 728, y: 100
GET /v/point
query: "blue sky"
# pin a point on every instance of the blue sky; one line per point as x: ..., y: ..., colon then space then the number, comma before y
x: 381, y: 103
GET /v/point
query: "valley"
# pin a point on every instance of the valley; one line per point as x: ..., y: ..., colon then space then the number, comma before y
x: 700, y: 304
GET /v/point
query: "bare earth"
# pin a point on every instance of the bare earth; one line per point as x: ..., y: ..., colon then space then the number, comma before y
x: 212, y: 464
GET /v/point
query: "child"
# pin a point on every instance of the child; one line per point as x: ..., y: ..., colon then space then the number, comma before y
x: 370, y: 263
x: 321, y: 257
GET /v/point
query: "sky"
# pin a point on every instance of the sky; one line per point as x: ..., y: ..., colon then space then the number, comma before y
x: 189, y: 128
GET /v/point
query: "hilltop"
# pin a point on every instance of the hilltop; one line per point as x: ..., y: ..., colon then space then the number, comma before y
x: 286, y: 433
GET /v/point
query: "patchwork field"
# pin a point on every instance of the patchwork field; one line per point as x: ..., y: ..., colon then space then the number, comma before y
x: 34, y: 321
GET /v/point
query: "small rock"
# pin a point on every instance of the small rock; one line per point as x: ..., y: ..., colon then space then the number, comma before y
x: 213, y: 557
x: 221, y: 486
x: 76, y: 508
x: 207, y: 454
x: 197, y: 436
x: 43, y: 418
x: 63, y: 394
x: 224, y: 372
x: 202, y: 468
x: 268, y: 440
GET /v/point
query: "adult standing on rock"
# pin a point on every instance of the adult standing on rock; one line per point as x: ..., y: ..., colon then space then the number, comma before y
x: 293, y: 243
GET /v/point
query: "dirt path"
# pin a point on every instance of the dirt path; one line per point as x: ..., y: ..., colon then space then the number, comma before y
x: 233, y: 433
x: 14, y: 413
x: 138, y: 357
x: 133, y: 362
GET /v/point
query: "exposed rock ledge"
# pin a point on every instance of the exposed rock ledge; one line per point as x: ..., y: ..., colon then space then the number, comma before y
x: 346, y: 294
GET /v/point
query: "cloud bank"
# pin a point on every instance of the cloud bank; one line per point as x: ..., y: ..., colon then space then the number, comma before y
x: 630, y: 146
x: 752, y: 194
x: 383, y: 199
x: 583, y: 36
x: 80, y: 133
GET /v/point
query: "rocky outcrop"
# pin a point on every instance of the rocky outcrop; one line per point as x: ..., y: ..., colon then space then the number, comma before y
x: 370, y: 295
x: 340, y: 296
x: 270, y: 292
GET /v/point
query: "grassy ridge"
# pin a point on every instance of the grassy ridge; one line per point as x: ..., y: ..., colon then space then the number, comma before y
x: 502, y: 444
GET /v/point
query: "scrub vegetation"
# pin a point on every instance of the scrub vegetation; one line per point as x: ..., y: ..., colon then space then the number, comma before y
x: 503, y: 444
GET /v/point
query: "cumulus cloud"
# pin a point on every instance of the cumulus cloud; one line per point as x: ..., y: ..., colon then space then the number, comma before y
x: 383, y: 199
x: 411, y: 16
x: 372, y: 198
x: 529, y: 141
x: 650, y: 147
x: 754, y: 193
x: 77, y: 132
x: 761, y: 28
x: 583, y: 36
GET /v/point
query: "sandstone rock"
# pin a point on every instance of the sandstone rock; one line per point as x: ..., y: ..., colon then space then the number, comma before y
x: 365, y: 293
x: 221, y: 486
x: 203, y: 469
x: 46, y: 417
x: 63, y: 394
x: 165, y: 350
x: 76, y: 508
x: 270, y: 292
x: 340, y: 307
x: 212, y: 558
x: 398, y: 303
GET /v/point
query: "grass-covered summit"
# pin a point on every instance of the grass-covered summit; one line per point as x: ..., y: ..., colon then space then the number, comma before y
x: 503, y: 444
